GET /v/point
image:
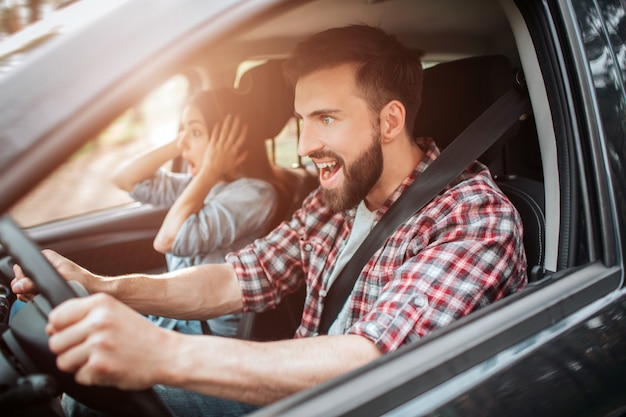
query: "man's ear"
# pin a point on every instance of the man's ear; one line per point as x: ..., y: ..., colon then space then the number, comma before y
x: 392, y: 118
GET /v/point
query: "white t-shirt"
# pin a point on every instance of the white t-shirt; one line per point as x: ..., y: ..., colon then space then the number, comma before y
x: 362, y: 226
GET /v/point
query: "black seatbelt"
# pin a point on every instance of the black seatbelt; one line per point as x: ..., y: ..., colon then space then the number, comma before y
x: 499, y: 122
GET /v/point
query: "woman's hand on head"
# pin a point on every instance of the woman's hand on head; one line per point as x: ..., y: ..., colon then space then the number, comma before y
x: 226, y: 150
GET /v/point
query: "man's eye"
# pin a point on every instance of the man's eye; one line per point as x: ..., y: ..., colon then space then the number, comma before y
x: 327, y: 120
x: 197, y: 132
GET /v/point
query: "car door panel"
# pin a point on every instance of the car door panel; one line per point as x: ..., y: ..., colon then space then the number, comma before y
x: 444, y: 367
x: 109, y: 242
x: 581, y: 372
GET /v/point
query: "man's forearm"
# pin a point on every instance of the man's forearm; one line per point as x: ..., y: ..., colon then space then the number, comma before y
x: 198, y: 292
x: 261, y: 372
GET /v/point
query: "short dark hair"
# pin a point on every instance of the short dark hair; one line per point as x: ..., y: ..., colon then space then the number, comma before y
x: 385, y: 69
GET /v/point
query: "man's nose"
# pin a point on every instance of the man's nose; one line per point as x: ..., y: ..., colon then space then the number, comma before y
x: 308, y: 141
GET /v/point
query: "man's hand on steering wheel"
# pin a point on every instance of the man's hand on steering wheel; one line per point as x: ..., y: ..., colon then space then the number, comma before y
x: 102, y: 335
x: 99, y: 339
x: 25, y: 288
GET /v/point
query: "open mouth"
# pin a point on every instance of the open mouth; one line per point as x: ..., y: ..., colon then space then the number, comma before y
x: 328, y: 172
x: 191, y: 167
x: 327, y: 169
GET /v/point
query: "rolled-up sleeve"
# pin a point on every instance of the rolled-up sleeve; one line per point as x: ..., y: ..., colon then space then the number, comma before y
x: 282, y: 262
x: 162, y: 189
x: 269, y: 268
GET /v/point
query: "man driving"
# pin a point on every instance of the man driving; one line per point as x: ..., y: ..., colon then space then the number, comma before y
x: 357, y: 92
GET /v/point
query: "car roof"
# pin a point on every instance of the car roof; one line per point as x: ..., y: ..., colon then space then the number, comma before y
x: 440, y: 28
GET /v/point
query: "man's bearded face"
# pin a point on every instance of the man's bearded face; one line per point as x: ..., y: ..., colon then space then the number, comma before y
x: 360, y: 176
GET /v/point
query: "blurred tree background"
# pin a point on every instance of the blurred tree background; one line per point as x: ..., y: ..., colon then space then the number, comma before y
x: 16, y: 14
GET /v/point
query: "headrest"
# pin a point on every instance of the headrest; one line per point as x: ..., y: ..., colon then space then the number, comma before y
x: 216, y: 104
x: 268, y: 97
x: 455, y: 93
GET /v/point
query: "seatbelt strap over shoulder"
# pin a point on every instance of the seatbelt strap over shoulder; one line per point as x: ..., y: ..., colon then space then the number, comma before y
x: 496, y: 123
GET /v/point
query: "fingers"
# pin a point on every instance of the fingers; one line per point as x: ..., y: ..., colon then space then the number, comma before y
x: 226, y: 144
x: 241, y: 138
x: 50, y: 255
x: 240, y: 158
x: 22, y: 286
x: 72, y: 312
x: 99, y: 339
x: 54, y: 258
x: 80, y: 331
x: 69, y: 270
x: 229, y: 128
x: 68, y: 330
x: 230, y: 131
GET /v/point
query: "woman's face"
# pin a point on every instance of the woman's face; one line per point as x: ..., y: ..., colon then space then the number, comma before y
x: 193, y: 138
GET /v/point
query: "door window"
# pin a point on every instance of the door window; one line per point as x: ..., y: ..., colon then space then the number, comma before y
x: 81, y: 185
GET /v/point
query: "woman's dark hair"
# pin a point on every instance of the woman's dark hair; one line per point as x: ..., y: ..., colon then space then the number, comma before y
x: 385, y: 69
x: 215, y: 105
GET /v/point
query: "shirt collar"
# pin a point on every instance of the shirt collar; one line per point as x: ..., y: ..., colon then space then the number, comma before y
x: 431, y: 152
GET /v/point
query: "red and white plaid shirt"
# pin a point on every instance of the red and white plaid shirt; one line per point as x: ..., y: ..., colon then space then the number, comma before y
x: 459, y: 253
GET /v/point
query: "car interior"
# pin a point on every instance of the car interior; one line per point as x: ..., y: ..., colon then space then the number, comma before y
x: 473, y: 53
x: 464, y: 88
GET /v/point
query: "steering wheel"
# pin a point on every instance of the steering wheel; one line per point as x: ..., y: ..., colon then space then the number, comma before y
x: 24, y: 345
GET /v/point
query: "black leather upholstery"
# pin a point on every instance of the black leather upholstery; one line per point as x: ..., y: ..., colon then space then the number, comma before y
x: 455, y: 93
x: 528, y: 197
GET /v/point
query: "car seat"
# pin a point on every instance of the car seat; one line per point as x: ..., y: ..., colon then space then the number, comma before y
x: 455, y: 93
x: 271, y: 100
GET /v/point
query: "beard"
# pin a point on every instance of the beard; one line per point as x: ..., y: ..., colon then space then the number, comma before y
x: 359, y: 178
